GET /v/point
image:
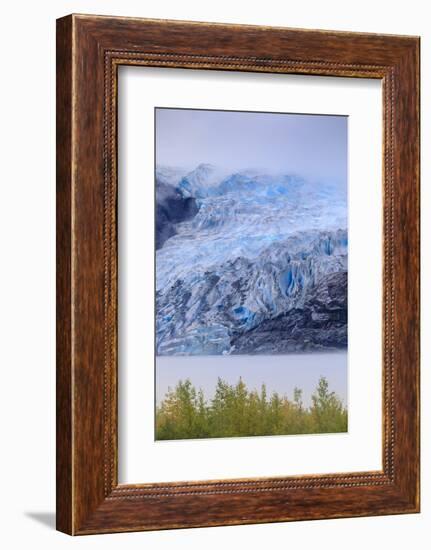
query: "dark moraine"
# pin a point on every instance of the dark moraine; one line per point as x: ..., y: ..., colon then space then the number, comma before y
x: 321, y: 324
x: 171, y: 208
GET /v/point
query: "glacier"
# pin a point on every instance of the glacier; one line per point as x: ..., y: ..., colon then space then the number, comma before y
x: 249, y: 263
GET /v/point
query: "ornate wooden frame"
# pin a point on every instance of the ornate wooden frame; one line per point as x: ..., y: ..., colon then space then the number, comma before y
x: 89, y: 51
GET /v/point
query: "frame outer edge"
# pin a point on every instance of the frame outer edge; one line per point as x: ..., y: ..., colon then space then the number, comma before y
x: 407, y: 279
x: 64, y: 367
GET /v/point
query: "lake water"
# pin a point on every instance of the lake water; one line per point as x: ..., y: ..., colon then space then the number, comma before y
x: 280, y: 373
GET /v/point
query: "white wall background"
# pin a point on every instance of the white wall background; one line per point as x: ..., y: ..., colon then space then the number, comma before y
x: 27, y: 287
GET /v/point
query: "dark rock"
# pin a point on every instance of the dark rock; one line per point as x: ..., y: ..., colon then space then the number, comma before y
x: 171, y: 208
x: 321, y: 324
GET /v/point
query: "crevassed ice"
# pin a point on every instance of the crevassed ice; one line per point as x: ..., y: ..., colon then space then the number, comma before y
x: 253, y: 251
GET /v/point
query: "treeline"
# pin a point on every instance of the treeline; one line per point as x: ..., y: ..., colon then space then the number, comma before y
x: 236, y: 411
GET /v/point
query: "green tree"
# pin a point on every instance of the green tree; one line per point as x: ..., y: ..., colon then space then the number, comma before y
x: 178, y: 414
x: 327, y: 412
x: 275, y: 415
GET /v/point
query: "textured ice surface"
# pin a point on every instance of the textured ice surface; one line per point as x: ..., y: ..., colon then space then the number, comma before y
x: 249, y: 263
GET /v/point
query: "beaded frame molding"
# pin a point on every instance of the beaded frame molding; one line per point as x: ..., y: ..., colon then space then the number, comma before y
x: 89, y: 51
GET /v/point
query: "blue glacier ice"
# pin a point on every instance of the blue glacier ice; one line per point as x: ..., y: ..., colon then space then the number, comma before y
x: 249, y: 262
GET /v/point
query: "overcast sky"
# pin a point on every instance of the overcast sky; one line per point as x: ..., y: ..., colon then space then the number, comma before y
x: 312, y: 146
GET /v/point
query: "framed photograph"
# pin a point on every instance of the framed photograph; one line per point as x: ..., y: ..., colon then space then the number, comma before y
x: 237, y: 274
